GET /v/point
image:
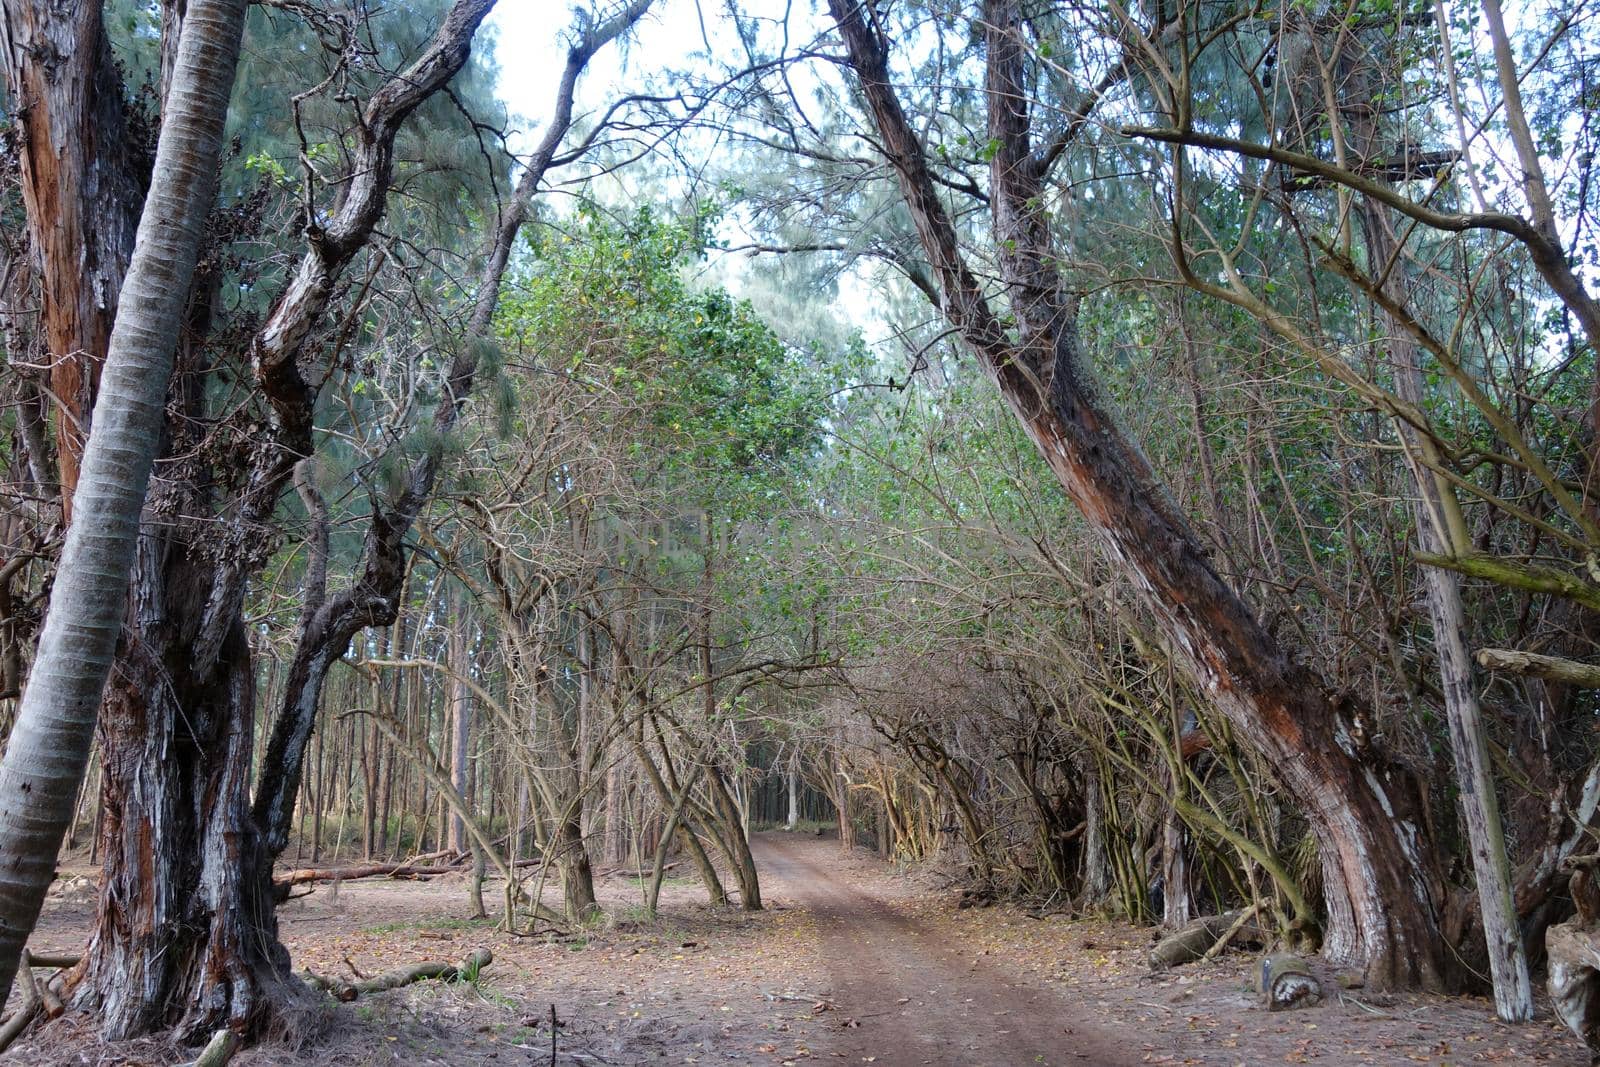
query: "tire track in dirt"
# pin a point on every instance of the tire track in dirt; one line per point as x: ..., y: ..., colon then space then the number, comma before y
x: 913, y: 996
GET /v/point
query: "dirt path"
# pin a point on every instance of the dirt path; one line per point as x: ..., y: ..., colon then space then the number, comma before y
x: 852, y: 963
x: 907, y: 995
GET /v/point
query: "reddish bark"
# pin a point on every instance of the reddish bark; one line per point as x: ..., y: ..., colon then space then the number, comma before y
x: 82, y: 187
x: 1364, y: 808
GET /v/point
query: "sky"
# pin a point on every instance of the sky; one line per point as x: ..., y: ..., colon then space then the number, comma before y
x: 530, y: 50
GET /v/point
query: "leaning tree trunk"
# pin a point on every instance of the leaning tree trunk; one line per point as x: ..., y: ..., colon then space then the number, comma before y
x: 1364, y: 808
x: 374, y: 599
x: 49, y: 747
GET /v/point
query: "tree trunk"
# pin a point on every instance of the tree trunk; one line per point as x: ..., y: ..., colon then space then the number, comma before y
x: 577, y: 875
x: 1363, y: 807
x: 841, y: 807
x: 49, y: 746
x: 1096, y: 869
x: 1441, y: 531
x: 81, y: 188
x: 460, y: 714
x: 793, y: 777
x: 736, y: 845
x: 615, y: 841
x: 331, y: 621
x: 369, y: 790
x: 185, y: 935
x: 194, y: 915
x: 1177, y: 905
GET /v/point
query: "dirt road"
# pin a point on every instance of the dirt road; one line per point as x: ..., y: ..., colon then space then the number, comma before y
x: 905, y: 996
x: 851, y: 964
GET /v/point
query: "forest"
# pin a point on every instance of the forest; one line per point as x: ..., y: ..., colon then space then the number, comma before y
x: 901, y: 531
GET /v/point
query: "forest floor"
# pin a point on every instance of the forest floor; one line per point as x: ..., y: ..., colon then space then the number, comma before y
x: 851, y: 963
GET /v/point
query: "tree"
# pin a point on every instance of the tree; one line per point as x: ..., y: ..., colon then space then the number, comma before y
x: 49, y: 746
x: 1380, y: 913
x: 186, y: 934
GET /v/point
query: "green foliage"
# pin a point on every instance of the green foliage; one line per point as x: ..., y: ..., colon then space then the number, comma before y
x: 703, y: 385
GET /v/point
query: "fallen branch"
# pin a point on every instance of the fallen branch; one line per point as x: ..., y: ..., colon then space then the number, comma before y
x: 30, y: 1008
x: 58, y: 962
x: 364, y: 870
x: 1550, y: 668
x: 37, y: 999
x: 218, y: 1051
x: 1233, y: 931
x: 339, y: 989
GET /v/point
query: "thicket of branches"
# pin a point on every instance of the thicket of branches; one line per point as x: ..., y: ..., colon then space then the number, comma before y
x: 1139, y: 459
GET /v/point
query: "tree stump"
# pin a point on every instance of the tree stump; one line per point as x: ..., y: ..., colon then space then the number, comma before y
x: 1573, y: 951
x: 1575, y: 981
x: 1285, y: 981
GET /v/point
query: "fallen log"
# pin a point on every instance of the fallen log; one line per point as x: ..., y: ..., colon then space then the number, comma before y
x: 345, y: 991
x: 364, y: 870
x: 1205, y: 934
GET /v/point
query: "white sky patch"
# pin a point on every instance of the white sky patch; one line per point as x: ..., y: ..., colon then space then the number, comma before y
x: 530, y: 40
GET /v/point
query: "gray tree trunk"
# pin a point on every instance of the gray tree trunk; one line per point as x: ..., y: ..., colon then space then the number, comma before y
x: 460, y: 714
x: 49, y: 748
x: 794, y: 790
x: 1435, y: 510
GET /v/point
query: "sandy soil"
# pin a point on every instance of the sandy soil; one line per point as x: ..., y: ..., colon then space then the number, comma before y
x: 850, y: 963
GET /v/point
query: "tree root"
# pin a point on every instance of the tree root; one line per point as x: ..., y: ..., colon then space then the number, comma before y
x: 345, y: 991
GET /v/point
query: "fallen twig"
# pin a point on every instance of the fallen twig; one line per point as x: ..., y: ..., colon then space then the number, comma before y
x: 799, y: 997
x: 26, y: 1012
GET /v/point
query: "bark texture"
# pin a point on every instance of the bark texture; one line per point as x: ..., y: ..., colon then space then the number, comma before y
x: 49, y: 747
x: 81, y: 190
